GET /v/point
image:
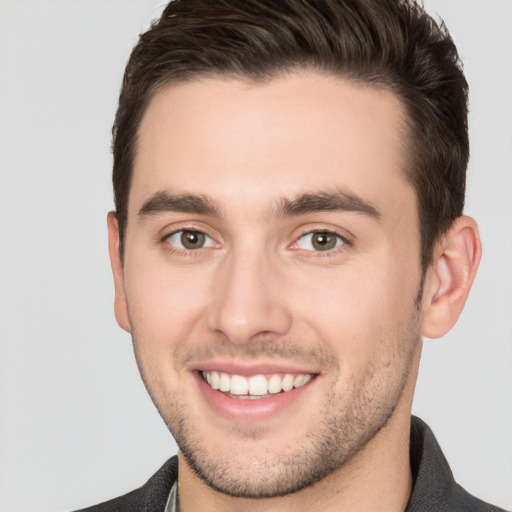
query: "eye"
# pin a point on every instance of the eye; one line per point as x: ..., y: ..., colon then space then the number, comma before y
x: 320, y: 241
x: 189, y: 240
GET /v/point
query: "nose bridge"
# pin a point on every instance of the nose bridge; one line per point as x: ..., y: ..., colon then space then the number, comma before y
x: 247, y: 301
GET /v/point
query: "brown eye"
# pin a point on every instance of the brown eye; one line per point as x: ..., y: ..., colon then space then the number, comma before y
x: 189, y: 240
x: 192, y: 239
x: 323, y: 241
x: 320, y: 241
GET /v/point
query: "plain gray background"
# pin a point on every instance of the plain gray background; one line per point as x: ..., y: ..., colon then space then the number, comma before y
x: 76, y: 425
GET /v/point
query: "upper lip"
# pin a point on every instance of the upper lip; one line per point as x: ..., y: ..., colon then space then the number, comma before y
x: 249, y: 369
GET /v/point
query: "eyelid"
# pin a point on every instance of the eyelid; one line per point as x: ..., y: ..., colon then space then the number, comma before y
x: 209, y: 242
x: 346, y: 241
x: 176, y: 228
x: 338, y: 240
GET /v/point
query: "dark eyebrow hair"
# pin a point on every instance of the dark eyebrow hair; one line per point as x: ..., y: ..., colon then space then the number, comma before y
x: 321, y: 201
x: 162, y: 202
x: 324, y: 201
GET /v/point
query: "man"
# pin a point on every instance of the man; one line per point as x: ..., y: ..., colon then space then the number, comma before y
x: 289, y: 183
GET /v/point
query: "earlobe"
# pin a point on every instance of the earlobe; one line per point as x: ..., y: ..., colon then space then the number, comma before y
x: 450, y: 277
x: 120, y: 304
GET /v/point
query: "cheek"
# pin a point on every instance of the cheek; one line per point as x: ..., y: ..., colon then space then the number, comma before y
x: 359, y: 310
x: 166, y: 304
x: 166, y: 311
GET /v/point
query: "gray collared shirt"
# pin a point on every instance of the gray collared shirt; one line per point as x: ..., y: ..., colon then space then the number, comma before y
x: 172, y: 500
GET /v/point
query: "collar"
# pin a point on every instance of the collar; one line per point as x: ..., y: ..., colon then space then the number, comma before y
x: 172, y: 501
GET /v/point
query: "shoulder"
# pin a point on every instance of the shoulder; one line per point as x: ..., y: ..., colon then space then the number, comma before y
x: 434, y: 485
x: 151, y: 497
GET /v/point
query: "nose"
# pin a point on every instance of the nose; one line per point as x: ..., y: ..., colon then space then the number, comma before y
x: 249, y: 301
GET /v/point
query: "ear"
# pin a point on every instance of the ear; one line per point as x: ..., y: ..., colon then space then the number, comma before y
x: 120, y: 304
x: 450, y: 277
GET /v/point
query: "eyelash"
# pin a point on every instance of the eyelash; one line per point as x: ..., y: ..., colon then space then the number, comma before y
x: 329, y: 253
x: 345, y: 243
x: 183, y: 251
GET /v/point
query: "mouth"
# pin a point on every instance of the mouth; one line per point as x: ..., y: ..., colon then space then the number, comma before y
x: 254, y: 394
x: 256, y: 386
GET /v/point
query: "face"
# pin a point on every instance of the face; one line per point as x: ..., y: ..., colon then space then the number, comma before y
x: 271, y: 275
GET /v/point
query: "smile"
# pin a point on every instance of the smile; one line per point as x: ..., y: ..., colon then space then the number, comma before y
x: 256, y: 386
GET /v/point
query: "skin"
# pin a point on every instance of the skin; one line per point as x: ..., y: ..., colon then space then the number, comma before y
x: 258, y: 293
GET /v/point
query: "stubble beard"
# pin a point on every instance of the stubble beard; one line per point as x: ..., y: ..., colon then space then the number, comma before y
x: 347, y: 423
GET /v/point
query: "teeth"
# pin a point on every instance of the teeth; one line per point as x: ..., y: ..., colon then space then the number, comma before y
x: 298, y: 381
x: 239, y: 385
x: 257, y: 385
x: 224, y: 382
x: 214, y: 380
x: 274, y: 384
x: 287, y: 382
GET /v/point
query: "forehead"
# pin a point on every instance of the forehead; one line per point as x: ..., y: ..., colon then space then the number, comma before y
x: 251, y: 144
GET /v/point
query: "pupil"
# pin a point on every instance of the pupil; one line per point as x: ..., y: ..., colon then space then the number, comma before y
x: 324, y: 241
x: 192, y: 239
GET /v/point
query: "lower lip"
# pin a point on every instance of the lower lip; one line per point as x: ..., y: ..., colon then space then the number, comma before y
x: 249, y: 410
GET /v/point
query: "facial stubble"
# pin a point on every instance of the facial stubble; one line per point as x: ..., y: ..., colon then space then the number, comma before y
x: 347, y: 423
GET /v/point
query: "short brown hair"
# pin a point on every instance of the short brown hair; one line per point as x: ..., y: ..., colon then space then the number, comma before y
x: 393, y: 44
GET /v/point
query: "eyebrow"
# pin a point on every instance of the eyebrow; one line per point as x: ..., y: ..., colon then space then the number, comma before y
x: 162, y: 202
x: 324, y: 201
x: 320, y: 201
